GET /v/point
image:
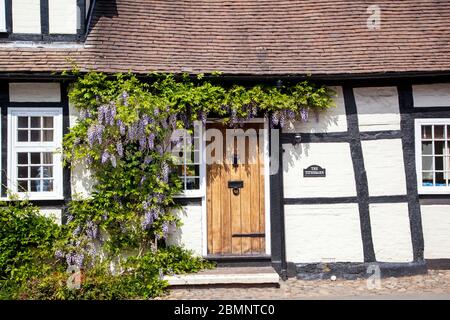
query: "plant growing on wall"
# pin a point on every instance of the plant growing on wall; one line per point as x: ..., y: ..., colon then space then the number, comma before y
x: 123, y: 136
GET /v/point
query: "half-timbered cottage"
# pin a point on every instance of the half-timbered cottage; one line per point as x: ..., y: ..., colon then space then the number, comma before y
x: 366, y: 181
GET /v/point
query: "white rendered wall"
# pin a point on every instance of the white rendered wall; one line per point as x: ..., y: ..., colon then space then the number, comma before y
x: 323, y: 233
x: 436, y: 231
x: 62, y: 16
x: 432, y: 95
x: 383, y: 160
x: 378, y: 108
x: 34, y: 92
x: 26, y: 16
x: 82, y: 181
x: 54, y: 214
x: 334, y: 157
x: 332, y: 120
x: 391, y: 232
x: 190, y: 233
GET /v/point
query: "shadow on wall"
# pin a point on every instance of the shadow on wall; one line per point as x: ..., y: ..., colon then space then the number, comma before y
x: 318, y: 122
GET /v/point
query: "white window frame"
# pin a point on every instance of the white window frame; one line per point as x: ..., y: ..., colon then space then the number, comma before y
x: 200, y: 192
x: 55, y: 147
x: 3, y: 16
x: 418, y: 123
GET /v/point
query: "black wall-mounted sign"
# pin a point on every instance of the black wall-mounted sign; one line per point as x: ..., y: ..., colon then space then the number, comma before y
x: 314, y: 171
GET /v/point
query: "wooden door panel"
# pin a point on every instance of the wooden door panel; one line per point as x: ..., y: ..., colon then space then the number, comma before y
x: 235, y: 221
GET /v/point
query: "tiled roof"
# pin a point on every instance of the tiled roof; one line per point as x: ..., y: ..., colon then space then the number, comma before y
x: 253, y: 37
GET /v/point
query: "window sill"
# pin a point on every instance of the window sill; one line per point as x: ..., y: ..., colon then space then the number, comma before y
x: 32, y: 197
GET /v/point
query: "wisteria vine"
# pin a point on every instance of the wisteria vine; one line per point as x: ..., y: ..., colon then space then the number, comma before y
x: 123, y: 137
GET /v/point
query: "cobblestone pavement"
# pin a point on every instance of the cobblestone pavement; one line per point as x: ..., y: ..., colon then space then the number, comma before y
x: 434, y: 285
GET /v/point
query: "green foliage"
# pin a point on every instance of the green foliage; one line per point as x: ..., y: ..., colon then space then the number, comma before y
x: 138, y: 278
x: 124, y: 138
x: 26, y: 241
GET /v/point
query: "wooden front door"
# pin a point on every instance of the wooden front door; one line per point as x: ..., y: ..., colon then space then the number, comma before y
x: 235, y: 193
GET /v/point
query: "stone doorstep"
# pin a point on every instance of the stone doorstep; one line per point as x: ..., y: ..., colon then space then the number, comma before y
x: 226, y: 276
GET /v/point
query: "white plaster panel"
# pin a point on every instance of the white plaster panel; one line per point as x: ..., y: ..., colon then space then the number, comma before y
x: 383, y: 160
x: 189, y: 234
x: 323, y: 233
x: 26, y: 16
x: 82, y: 182
x: 391, y: 232
x: 333, y: 119
x: 54, y: 214
x: 62, y: 16
x: 2, y: 16
x: 334, y: 157
x: 436, y: 231
x: 378, y: 108
x: 432, y: 95
x: 34, y: 92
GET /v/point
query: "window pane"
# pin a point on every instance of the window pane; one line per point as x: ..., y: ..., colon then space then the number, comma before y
x: 35, y: 122
x: 47, y: 158
x: 426, y: 132
x: 192, y: 183
x: 439, y: 147
x: 47, y: 135
x: 48, y: 122
x: 47, y: 172
x: 427, y: 147
x: 22, y: 135
x: 22, y: 122
x: 35, y: 172
x: 439, y: 132
x: 427, y: 163
x: 35, y: 158
x: 22, y: 172
x: 47, y: 185
x: 22, y: 158
x: 35, y: 135
x: 22, y: 185
x: 427, y: 179
x: 35, y: 185
x: 439, y: 163
x: 192, y: 171
x: 440, y: 182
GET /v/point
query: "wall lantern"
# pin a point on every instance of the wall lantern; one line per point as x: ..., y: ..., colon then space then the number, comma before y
x: 297, y: 139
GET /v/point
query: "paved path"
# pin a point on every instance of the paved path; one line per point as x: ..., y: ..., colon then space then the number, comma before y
x: 435, y: 285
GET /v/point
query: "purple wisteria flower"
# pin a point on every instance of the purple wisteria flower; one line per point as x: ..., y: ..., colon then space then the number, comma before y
x: 203, y: 117
x: 165, y: 171
x: 105, y: 156
x: 275, y: 118
x: 91, y: 229
x: 125, y: 97
x: 165, y: 228
x: 151, y: 141
x: 69, y: 218
x: 77, y: 231
x: 148, y: 159
x: 59, y: 254
x: 304, y: 114
x: 122, y: 128
x: 113, y: 161
x: 119, y: 148
x: 173, y: 121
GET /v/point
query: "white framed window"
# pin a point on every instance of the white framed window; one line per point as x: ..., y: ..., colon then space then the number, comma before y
x: 433, y: 155
x: 190, y: 167
x: 34, y: 153
x: 2, y: 16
